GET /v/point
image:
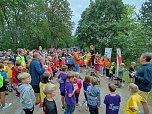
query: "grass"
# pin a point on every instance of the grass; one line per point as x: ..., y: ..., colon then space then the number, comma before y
x: 126, y: 78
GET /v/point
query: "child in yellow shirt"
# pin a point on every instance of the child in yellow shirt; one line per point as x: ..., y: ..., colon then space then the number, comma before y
x: 9, y: 74
x: 44, y: 81
x: 133, y: 103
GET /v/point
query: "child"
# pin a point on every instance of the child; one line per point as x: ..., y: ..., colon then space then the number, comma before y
x: 93, y: 97
x: 78, y: 83
x: 120, y: 75
x: 112, y: 100
x: 62, y: 80
x: 27, y: 97
x: 133, y: 103
x: 132, y: 70
x: 86, y: 84
x: 70, y: 94
x: 9, y: 74
x: 3, y: 81
x: 44, y: 81
x: 107, y: 67
x: 112, y: 70
x: 49, y: 105
x: 97, y: 64
x: 101, y: 66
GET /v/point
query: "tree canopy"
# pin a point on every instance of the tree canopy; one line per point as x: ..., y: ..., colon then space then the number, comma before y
x: 30, y: 23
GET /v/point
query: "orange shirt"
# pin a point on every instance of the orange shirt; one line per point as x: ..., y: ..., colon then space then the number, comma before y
x: 107, y: 64
x: 76, y: 58
x: 101, y: 63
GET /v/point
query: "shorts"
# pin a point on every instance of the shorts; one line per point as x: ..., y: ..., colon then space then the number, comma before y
x: 69, y: 109
x: 62, y: 94
x: 36, y: 88
x: 144, y: 95
x: 2, y: 89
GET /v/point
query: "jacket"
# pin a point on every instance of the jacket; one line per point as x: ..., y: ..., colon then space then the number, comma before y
x: 36, y: 71
x: 27, y: 97
x: 143, y: 78
x: 93, y: 96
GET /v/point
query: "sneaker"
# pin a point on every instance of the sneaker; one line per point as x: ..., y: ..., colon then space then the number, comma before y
x: 6, y: 105
x: 37, y: 102
x: 63, y: 107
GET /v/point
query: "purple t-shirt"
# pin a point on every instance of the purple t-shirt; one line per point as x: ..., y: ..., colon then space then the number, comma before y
x: 85, y: 85
x: 69, y: 90
x: 112, y: 104
x: 62, y: 77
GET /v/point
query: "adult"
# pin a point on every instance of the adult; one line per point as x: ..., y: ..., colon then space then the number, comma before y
x: 77, y: 60
x: 143, y: 79
x: 36, y: 71
x: 21, y: 57
x: 92, y: 51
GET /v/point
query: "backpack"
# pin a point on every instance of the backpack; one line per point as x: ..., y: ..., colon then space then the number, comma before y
x: 1, y: 80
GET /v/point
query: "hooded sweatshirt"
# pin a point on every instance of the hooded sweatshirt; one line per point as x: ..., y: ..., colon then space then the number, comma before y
x: 27, y: 97
x: 93, y: 96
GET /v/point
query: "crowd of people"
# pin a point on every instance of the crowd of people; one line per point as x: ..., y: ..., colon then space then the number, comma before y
x: 31, y: 73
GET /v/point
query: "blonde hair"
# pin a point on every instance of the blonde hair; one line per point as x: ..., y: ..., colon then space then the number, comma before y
x: 133, y: 63
x: 23, y: 76
x: 122, y: 64
x: 76, y: 74
x: 133, y: 88
x: 48, y: 88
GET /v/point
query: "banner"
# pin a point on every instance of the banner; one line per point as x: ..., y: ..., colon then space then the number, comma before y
x: 119, y: 59
x: 108, y: 52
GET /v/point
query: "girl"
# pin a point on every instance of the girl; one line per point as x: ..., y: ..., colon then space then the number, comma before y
x: 78, y: 83
x: 86, y: 84
x: 44, y: 81
x: 97, y: 64
x: 132, y: 70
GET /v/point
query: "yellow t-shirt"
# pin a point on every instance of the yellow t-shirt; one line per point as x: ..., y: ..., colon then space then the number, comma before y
x: 41, y: 91
x: 9, y: 72
x: 133, y: 101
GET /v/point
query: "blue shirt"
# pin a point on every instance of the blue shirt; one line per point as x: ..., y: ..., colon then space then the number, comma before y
x: 36, y: 71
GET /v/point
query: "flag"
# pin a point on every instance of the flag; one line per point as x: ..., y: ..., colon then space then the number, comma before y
x: 119, y: 59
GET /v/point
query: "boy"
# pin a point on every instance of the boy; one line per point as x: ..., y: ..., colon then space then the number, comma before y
x: 133, y: 103
x: 132, y: 71
x: 62, y: 80
x: 70, y: 94
x: 49, y: 105
x: 112, y: 70
x: 112, y: 100
x: 3, y: 81
x: 93, y: 97
x: 27, y: 97
x: 120, y: 75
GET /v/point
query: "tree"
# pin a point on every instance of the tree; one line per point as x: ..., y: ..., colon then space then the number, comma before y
x: 30, y: 23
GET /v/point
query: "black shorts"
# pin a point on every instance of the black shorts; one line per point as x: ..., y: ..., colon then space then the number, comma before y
x: 36, y: 88
x: 62, y: 94
x: 2, y: 89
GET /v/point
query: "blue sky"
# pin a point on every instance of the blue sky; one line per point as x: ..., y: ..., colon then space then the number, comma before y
x: 78, y: 6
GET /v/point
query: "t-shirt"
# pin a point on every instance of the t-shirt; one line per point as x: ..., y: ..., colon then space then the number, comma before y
x: 22, y: 59
x: 49, y: 107
x: 62, y: 77
x: 133, y: 101
x: 112, y: 104
x: 69, y: 90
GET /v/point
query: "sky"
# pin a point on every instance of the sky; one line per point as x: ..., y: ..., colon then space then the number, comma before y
x: 78, y: 6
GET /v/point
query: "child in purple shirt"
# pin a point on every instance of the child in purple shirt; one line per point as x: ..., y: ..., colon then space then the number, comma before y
x: 112, y: 100
x: 62, y: 80
x: 70, y: 94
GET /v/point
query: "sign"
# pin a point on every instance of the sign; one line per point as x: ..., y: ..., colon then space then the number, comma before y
x: 108, y: 52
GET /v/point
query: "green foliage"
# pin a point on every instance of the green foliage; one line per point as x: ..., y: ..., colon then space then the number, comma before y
x: 30, y: 23
x: 110, y: 23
